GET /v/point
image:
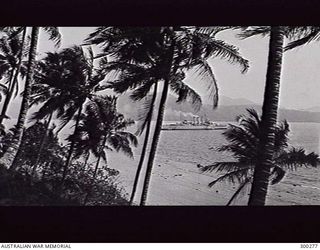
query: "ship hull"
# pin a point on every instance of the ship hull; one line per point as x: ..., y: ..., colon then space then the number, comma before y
x: 193, y: 128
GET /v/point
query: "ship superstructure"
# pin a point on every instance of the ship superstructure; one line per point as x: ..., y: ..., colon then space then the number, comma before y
x: 197, y: 123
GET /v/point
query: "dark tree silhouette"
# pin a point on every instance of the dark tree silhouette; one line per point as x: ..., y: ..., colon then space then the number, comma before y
x: 243, y: 145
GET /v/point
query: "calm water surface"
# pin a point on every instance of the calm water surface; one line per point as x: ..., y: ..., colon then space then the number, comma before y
x: 195, y: 147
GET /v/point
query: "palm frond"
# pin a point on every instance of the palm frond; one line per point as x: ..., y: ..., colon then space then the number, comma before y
x: 213, y: 30
x: 141, y: 91
x: 297, y: 157
x: 304, y: 35
x: 229, y: 52
x: 277, y: 175
x: 239, y: 190
x: 236, y: 175
x: 281, y: 136
x: 185, y: 92
x: 205, y: 72
x: 54, y: 34
x: 251, y: 31
x: 223, y: 166
x: 146, y: 112
x: 129, y: 136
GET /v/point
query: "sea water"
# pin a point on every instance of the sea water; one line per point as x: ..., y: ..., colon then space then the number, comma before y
x: 180, y: 151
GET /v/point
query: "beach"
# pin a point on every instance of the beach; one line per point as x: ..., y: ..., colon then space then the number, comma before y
x: 176, y: 180
x: 179, y: 183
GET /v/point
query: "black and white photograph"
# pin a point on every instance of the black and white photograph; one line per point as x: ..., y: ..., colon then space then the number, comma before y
x: 159, y: 121
x: 159, y: 116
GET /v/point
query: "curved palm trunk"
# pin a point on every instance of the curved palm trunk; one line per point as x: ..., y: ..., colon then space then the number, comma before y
x: 10, y: 157
x: 157, y: 131
x: 8, y: 97
x: 69, y: 158
x: 13, y: 78
x: 94, y: 173
x: 144, y: 148
x: 268, y: 120
x: 155, y: 141
x: 86, y: 160
x: 43, y: 139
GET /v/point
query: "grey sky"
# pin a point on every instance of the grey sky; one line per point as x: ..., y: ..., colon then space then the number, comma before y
x: 299, y: 86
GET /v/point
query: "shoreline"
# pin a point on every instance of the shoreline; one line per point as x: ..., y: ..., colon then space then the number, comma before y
x: 182, y: 184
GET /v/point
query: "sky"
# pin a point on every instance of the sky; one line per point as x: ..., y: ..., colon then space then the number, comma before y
x: 300, y: 76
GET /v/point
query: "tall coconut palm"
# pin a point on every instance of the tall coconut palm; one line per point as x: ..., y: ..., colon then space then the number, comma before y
x: 300, y: 35
x: 146, y: 119
x: 102, y: 128
x: 269, y: 118
x: 10, y: 156
x: 243, y: 145
x: 172, y: 50
x: 187, y: 51
x: 12, y: 47
x: 64, y: 82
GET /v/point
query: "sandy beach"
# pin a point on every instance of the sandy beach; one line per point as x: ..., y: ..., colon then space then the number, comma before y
x: 180, y: 183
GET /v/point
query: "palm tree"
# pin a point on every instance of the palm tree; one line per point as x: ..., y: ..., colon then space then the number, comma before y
x: 262, y: 170
x: 12, y: 49
x: 162, y: 54
x: 146, y: 118
x: 102, y: 128
x: 64, y: 82
x: 300, y: 35
x: 244, y: 145
x: 10, y: 156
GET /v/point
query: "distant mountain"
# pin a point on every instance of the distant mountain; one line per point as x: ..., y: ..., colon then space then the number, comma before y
x: 227, y: 111
x: 313, y: 109
x: 227, y: 101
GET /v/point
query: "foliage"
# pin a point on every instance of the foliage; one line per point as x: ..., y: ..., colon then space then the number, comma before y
x: 243, y: 145
x: 102, y: 128
x: 43, y: 186
x: 63, y: 82
x: 138, y: 57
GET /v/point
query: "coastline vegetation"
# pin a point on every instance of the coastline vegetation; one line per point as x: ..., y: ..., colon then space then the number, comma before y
x: 72, y: 87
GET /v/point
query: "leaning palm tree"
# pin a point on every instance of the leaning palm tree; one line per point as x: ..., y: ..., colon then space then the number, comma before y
x: 163, y: 54
x: 299, y: 35
x: 102, y: 128
x: 12, y: 47
x: 64, y: 82
x: 146, y: 118
x: 262, y: 172
x: 244, y: 147
x: 10, y: 156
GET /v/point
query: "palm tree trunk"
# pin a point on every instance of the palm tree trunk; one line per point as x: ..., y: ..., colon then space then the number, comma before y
x: 155, y: 141
x: 10, y: 157
x: 43, y: 139
x: 86, y: 160
x: 268, y: 120
x: 94, y: 173
x: 145, y: 145
x: 69, y: 157
x: 157, y: 131
x: 13, y: 79
x: 8, y: 97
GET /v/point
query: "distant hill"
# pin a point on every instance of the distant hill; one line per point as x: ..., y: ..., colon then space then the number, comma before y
x: 227, y: 101
x: 313, y: 109
x: 227, y: 110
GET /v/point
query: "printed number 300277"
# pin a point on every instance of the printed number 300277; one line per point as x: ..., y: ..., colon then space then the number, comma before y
x: 309, y: 246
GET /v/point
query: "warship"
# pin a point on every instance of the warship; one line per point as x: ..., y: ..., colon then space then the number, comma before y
x: 197, y: 123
